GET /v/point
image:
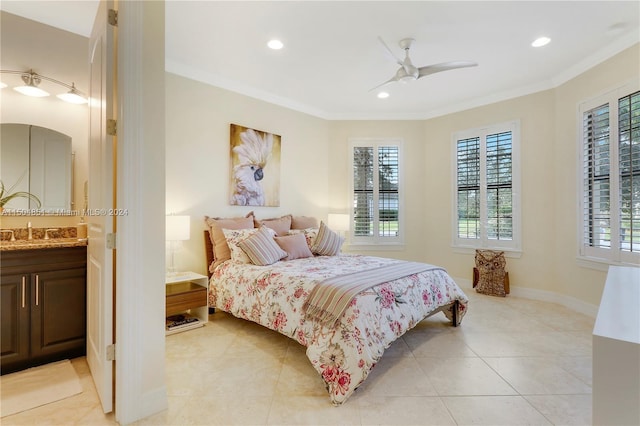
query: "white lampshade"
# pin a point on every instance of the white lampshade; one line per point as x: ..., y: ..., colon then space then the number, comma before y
x: 72, y: 96
x: 31, y: 90
x: 178, y: 228
x: 338, y: 221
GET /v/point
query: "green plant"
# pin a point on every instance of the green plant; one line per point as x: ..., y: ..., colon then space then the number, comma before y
x: 8, y: 195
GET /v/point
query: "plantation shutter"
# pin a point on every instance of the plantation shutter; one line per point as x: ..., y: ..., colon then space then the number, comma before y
x: 388, y: 191
x: 629, y: 169
x: 597, y: 180
x: 376, y: 192
x: 468, y: 182
x: 363, y: 196
x: 499, y: 187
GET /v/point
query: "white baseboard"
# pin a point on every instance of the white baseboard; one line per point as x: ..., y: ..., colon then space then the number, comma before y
x: 542, y: 295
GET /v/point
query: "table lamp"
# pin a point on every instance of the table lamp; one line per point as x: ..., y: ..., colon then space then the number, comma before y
x: 177, y: 229
x: 338, y: 222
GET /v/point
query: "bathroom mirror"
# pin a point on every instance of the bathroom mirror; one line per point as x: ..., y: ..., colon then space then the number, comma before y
x: 40, y: 161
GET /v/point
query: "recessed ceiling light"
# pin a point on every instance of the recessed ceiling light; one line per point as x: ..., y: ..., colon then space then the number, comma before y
x: 2, y: 85
x: 541, y: 41
x: 275, y: 44
x: 383, y: 95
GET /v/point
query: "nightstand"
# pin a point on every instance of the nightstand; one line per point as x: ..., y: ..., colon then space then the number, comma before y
x: 186, y: 302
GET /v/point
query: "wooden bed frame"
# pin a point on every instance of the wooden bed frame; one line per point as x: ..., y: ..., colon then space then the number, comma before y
x: 208, y: 248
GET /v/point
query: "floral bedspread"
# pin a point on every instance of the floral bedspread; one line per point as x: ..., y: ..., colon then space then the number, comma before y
x: 344, y: 354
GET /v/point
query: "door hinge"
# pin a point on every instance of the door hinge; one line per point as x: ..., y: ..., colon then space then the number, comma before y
x: 113, y: 17
x: 112, y: 127
x: 111, y: 241
x: 111, y: 352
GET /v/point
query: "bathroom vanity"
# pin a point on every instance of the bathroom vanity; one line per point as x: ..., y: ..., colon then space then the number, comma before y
x: 43, y: 302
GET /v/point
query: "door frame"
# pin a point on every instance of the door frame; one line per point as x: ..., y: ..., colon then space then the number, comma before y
x: 140, y: 249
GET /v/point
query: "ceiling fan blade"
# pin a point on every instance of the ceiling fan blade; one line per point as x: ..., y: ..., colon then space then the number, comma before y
x: 395, y: 58
x: 445, y: 66
x: 391, y: 80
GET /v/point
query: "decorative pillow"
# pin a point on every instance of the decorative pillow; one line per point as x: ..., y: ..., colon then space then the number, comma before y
x: 221, y: 250
x: 234, y: 237
x: 327, y: 243
x: 295, y: 245
x: 303, y: 222
x: 281, y: 224
x: 261, y: 247
x: 310, y: 235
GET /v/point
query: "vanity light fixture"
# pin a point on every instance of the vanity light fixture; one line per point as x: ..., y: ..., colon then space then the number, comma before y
x: 30, y: 88
x: 32, y: 80
x: 72, y: 96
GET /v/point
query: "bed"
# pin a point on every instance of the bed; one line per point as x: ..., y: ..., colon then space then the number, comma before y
x: 344, y: 346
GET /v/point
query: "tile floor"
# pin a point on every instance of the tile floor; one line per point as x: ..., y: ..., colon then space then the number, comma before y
x: 512, y: 362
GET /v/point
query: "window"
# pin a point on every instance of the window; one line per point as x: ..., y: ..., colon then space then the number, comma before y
x: 610, y: 181
x: 487, y: 181
x: 376, y: 191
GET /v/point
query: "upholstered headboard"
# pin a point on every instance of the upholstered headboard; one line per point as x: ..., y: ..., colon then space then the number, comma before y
x: 208, y: 248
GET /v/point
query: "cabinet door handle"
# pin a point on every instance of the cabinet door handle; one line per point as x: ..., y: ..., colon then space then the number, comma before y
x: 37, y: 288
x: 24, y: 289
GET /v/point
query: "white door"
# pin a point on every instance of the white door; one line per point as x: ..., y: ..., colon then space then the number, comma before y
x: 100, y: 261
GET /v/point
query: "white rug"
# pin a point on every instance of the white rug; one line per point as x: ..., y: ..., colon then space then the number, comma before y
x: 37, y: 386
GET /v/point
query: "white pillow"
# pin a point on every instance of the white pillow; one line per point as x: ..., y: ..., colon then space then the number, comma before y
x: 233, y: 237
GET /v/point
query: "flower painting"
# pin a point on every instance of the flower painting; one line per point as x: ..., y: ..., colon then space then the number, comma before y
x: 255, y: 167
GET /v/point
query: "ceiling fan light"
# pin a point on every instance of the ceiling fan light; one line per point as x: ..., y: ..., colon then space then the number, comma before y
x: 31, y: 90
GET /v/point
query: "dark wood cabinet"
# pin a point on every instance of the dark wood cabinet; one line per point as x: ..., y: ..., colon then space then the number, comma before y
x: 43, y: 306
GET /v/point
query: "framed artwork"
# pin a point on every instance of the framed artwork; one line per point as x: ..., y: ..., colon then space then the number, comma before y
x: 255, y: 167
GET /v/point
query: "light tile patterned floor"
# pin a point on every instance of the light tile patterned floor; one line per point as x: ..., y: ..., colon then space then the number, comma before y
x: 512, y: 362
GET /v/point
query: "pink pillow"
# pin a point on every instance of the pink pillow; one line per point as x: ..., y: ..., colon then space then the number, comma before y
x: 221, y: 250
x: 280, y: 224
x: 303, y: 222
x: 295, y: 246
x: 310, y: 234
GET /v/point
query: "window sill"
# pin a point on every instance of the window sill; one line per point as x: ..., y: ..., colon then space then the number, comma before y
x: 510, y: 253
x: 600, y: 264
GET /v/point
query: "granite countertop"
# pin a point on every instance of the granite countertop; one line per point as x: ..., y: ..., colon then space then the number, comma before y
x: 41, y: 244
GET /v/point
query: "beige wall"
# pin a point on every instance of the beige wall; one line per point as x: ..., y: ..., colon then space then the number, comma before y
x: 535, y: 113
x: 584, y: 282
x: 198, y: 165
x: 315, y: 170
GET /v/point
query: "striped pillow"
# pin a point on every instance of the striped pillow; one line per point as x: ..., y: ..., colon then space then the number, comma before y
x: 327, y: 243
x: 261, y: 248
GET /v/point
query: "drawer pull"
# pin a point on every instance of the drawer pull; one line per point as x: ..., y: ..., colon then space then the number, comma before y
x: 37, y: 288
x: 24, y: 289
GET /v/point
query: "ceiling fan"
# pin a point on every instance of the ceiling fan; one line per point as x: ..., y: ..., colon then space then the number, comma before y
x: 409, y: 72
